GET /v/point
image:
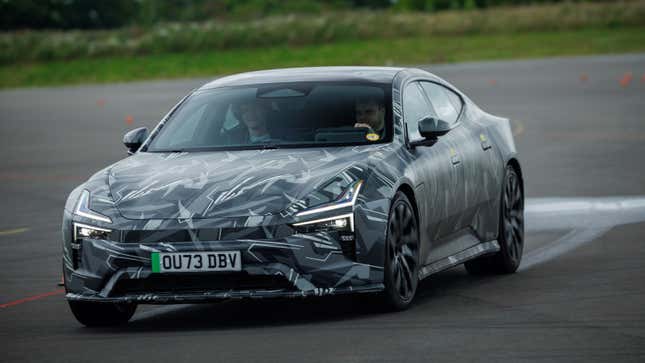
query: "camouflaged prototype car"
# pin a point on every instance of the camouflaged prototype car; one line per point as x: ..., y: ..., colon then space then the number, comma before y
x: 296, y: 182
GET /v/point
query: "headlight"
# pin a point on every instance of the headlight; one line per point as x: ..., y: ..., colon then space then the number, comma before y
x: 84, y: 231
x: 83, y: 209
x: 336, y: 223
x: 341, y: 210
x: 346, y: 200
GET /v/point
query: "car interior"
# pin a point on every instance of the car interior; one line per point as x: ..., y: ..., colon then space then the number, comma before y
x: 321, y: 114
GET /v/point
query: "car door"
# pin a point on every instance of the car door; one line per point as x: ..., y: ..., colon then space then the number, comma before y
x: 473, y: 147
x: 438, y: 166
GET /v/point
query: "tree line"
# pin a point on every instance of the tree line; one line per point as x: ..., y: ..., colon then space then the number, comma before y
x: 104, y: 14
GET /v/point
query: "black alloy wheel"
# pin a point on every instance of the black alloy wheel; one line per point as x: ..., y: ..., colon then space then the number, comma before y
x: 401, y: 254
x: 513, y: 221
x: 511, y: 230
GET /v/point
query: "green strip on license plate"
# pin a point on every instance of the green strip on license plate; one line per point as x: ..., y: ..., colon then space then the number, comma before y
x: 154, y: 260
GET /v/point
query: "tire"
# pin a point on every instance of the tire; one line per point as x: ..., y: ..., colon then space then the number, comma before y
x: 401, y: 268
x: 101, y: 314
x: 511, y: 231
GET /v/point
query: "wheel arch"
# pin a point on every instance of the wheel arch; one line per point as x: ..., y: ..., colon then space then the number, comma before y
x: 515, y: 164
x: 407, y: 189
x: 518, y: 169
x: 416, y: 195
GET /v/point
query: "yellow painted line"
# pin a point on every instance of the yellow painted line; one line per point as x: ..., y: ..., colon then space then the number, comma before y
x: 519, y: 129
x: 7, y: 232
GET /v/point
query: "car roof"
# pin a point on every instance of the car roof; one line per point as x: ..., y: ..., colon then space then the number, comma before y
x: 311, y: 74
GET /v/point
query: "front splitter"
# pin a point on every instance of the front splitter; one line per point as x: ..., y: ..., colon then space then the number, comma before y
x: 211, y: 296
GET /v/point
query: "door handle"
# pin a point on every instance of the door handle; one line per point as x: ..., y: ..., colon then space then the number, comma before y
x: 454, y: 157
x: 484, y: 142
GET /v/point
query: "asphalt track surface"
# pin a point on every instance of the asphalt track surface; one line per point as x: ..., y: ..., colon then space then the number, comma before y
x: 579, y: 296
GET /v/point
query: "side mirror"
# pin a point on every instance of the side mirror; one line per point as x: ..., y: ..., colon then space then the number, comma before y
x: 432, y: 128
x: 134, y: 138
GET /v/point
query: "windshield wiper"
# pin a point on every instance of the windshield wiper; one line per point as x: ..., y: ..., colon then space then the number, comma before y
x: 258, y: 146
x: 268, y: 146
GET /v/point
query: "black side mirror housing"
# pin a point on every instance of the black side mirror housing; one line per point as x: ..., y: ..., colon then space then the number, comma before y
x: 134, y: 138
x: 432, y: 128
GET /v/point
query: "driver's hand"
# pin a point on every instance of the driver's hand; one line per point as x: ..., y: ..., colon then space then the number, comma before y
x: 359, y: 124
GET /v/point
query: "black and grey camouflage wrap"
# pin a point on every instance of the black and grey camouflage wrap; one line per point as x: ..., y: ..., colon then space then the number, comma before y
x: 248, y: 201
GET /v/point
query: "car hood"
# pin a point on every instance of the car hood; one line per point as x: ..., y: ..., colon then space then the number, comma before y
x: 224, y: 183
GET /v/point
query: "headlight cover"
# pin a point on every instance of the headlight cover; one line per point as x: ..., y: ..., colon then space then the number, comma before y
x: 86, y: 231
x: 340, y: 223
x: 82, y: 231
x: 347, y: 199
x: 321, y: 220
x: 83, y: 209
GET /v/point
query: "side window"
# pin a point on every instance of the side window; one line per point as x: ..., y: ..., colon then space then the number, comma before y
x: 445, y: 102
x: 456, y: 101
x: 415, y: 107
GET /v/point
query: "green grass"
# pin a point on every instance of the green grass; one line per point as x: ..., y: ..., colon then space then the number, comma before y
x: 312, y: 29
x: 415, y: 50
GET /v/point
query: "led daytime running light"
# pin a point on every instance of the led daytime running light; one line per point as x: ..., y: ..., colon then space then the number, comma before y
x: 83, y: 209
x: 349, y: 216
x: 80, y: 226
x: 351, y: 192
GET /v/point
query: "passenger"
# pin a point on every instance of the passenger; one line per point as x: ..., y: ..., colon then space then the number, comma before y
x: 370, y: 113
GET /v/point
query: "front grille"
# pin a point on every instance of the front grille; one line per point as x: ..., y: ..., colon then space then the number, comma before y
x: 204, y: 234
x: 192, y: 283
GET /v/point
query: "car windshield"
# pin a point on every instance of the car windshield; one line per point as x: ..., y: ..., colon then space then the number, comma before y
x: 302, y: 114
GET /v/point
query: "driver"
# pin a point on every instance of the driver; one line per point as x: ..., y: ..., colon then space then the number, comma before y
x: 254, y: 116
x: 370, y: 113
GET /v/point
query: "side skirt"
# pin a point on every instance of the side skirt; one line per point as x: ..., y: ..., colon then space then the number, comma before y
x: 459, y: 258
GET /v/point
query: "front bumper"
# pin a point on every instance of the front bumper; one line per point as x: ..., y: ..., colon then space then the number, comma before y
x: 295, y: 266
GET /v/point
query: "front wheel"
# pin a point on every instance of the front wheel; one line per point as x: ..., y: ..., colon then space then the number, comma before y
x: 401, y: 255
x: 101, y: 314
x: 511, y: 230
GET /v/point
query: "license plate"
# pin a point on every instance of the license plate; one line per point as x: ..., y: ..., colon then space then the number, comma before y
x: 196, y: 261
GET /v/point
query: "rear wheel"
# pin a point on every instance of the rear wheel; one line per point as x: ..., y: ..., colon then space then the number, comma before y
x: 401, y: 255
x: 101, y: 314
x: 511, y: 231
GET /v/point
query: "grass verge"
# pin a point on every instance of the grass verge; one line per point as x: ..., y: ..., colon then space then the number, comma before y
x: 313, y: 29
x: 415, y: 50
